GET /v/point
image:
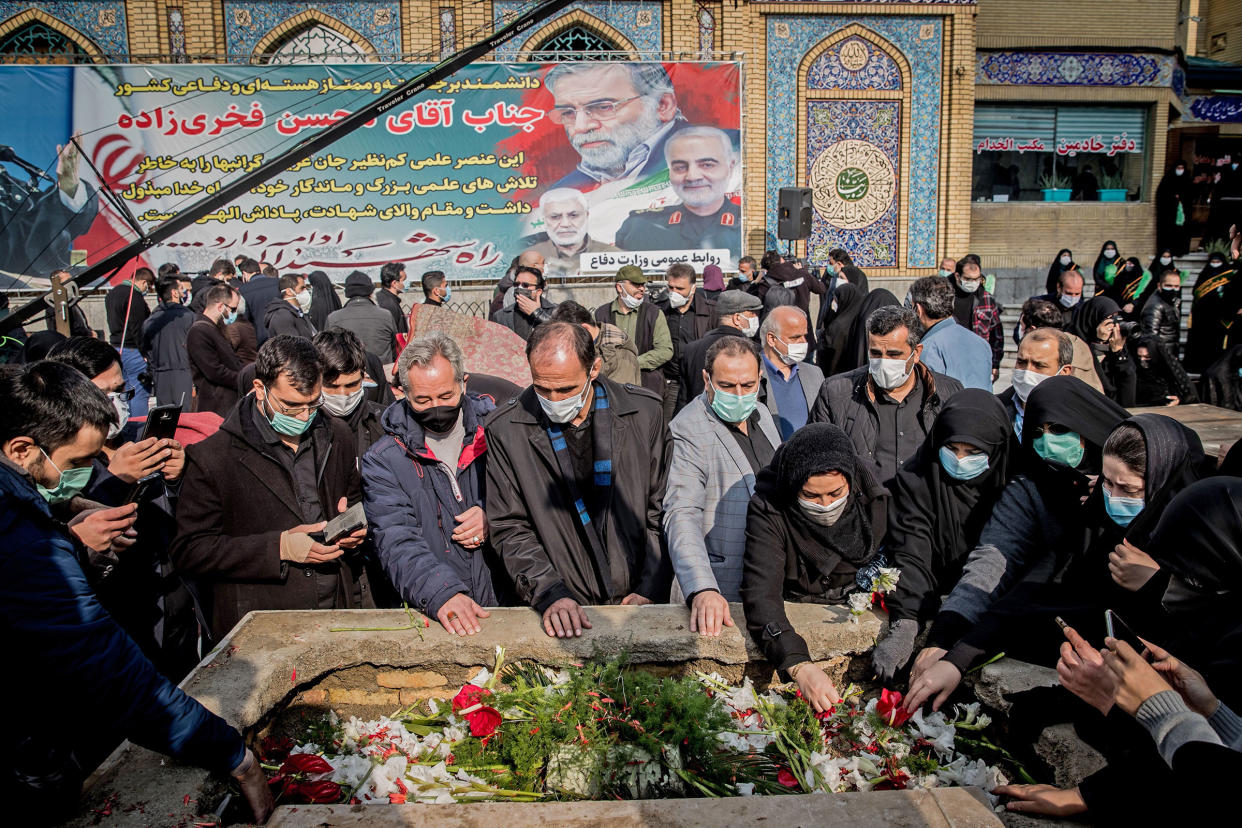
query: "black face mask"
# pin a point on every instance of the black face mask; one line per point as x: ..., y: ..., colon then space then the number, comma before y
x: 1171, y: 295
x: 439, y: 418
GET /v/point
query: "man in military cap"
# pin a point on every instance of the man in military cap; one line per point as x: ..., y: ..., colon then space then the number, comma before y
x: 642, y: 322
x: 701, y: 162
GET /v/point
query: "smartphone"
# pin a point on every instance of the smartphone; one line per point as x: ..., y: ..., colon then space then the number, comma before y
x: 162, y: 422
x: 144, y: 488
x: 350, y: 520
x: 1121, y: 631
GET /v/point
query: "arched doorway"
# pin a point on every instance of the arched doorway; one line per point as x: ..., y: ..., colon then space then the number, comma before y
x: 37, y: 42
x: 577, y: 42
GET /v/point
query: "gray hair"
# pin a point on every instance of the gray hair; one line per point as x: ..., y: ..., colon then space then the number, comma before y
x: 650, y: 80
x: 710, y: 132
x: 423, y: 350
x: 770, y: 325
x: 562, y: 194
x: 889, y: 318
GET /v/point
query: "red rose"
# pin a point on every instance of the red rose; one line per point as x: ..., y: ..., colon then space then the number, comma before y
x: 484, y: 721
x: 786, y: 778
x: 469, y: 696
x: 890, y: 710
x: 307, y: 763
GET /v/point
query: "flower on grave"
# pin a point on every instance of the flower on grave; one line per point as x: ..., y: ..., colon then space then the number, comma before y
x: 468, y: 703
x: 786, y: 778
x: 890, y: 710
x: 859, y: 603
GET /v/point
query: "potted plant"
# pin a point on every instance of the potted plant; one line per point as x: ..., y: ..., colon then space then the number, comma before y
x: 1113, y: 189
x: 1055, y: 187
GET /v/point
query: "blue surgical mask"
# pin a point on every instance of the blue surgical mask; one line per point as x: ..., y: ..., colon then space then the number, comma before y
x: 71, y: 483
x: 285, y: 424
x: 1123, y: 510
x: 448, y: 293
x: 1065, y: 449
x: 962, y: 468
x: 733, y: 408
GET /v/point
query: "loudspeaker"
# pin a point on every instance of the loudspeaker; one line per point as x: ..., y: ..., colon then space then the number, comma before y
x: 793, y: 218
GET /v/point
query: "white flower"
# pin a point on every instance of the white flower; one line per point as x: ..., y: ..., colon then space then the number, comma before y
x: 745, y: 788
x: 886, y: 579
x: 935, y: 728
x: 742, y: 698
x: 482, y: 678
x: 309, y: 747
x: 859, y: 603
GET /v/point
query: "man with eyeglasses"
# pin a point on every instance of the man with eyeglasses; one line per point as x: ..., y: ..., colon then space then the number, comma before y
x: 257, y: 494
x: 529, y: 307
x: 617, y: 116
x: 214, y: 365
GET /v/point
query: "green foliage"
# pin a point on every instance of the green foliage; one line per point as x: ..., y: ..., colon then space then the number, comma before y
x: 1052, y: 181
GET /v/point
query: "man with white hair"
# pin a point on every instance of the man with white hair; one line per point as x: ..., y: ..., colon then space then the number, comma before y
x: 565, y: 214
x: 617, y: 117
x: 701, y: 163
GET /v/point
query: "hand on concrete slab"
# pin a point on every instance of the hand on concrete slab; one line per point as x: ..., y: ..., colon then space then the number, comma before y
x: 634, y: 600
x: 1047, y: 800
x: 709, y: 612
x: 249, y: 775
x: 565, y: 619
x: 459, y: 615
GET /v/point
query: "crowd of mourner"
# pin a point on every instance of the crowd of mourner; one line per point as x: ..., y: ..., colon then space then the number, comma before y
x: 700, y: 441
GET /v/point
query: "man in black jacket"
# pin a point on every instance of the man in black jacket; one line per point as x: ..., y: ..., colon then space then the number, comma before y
x: 127, y: 310
x: 392, y: 285
x: 287, y: 313
x: 344, y: 363
x: 690, y: 314
x: 738, y: 312
x: 575, y: 483
x: 164, y: 336
x: 258, y: 290
x: 887, y: 406
x: 222, y: 270
x: 213, y: 363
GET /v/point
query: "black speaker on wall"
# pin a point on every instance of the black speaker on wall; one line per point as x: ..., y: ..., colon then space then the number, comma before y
x: 793, y: 217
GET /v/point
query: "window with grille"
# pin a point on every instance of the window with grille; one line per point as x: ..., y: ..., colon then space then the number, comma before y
x: 577, y: 43
x: 39, y: 43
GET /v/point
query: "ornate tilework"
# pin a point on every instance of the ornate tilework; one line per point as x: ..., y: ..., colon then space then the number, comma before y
x: 881, y: 2
x: 103, y: 21
x: 878, y: 124
x: 641, y: 22
x: 854, y: 64
x: 1214, y: 109
x: 176, y: 34
x: 448, y: 31
x: 246, y: 22
x: 1073, y: 69
x: 707, y: 34
x: 790, y: 37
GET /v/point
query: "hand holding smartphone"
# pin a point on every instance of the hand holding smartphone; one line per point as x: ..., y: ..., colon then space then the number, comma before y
x: 1120, y: 630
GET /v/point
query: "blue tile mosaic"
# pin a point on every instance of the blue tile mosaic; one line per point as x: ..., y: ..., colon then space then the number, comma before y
x: 1074, y: 69
x: 854, y: 64
x: 887, y: 2
x: 246, y: 22
x: 1214, y: 109
x: 103, y: 21
x: 641, y: 22
x: 919, y: 39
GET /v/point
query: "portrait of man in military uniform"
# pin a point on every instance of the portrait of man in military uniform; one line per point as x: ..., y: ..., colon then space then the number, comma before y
x: 701, y: 164
x: 565, y: 238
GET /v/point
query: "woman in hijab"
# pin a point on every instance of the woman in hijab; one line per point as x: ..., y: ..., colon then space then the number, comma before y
x: 1039, y: 514
x: 941, y: 500
x: 1159, y: 378
x: 1217, y: 297
x: 1064, y: 261
x: 713, y: 281
x: 1095, y: 322
x: 813, y: 529
x: 1174, y: 198
x: 855, y: 353
x: 1221, y: 383
x: 1163, y: 261
x: 1108, y: 256
x: 1131, y: 286
x: 323, y: 299
x: 835, y: 325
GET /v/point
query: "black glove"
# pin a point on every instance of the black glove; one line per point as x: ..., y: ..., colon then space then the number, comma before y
x: 894, y: 649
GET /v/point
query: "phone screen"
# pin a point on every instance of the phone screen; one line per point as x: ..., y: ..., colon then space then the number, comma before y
x: 1121, y: 631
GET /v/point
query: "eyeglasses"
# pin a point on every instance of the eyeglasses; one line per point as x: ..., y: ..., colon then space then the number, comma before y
x: 595, y: 111
x: 126, y: 395
x: 295, y: 410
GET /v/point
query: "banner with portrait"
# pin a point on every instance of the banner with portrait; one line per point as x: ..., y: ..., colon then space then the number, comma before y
x: 638, y: 160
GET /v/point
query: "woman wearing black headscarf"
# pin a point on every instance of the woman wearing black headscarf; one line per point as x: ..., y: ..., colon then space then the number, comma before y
x: 855, y: 354
x: 1174, y: 195
x: 1064, y: 261
x: 941, y: 500
x: 1095, y: 322
x: 1217, y: 297
x: 323, y: 298
x: 1221, y: 383
x: 1109, y: 255
x: 1131, y: 286
x: 1159, y: 377
x: 835, y: 324
x: 812, y: 530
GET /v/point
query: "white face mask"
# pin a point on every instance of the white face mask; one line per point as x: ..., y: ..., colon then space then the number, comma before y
x: 304, y: 300
x: 823, y: 515
x: 342, y: 405
x: 676, y: 300
x: 122, y: 413
x: 889, y: 373
x: 1069, y: 301
x: 752, y: 326
x: 1164, y: 260
x: 631, y: 302
x: 969, y: 286
x: 1179, y: 172
x: 1110, y: 254
x: 795, y: 352
x: 1066, y: 261
x: 562, y: 411
x: 1024, y: 382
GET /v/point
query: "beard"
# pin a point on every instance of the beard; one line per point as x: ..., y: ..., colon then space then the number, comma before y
x: 568, y: 237
x: 698, y: 196
x: 619, y: 141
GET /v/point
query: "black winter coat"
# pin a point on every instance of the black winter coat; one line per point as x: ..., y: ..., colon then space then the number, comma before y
x: 283, y: 318
x: 534, y: 525
x: 692, y: 360
x: 213, y: 365
x: 1163, y: 320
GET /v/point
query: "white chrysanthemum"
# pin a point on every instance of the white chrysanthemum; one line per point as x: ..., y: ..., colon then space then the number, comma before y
x: 886, y: 579
x: 745, y: 788
x: 859, y: 602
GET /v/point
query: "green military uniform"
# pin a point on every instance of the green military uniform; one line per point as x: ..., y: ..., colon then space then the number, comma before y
x: 676, y: 228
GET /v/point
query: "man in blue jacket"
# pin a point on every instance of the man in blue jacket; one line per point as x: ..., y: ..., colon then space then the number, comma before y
x: 52, y: 425
x: 422, y: 486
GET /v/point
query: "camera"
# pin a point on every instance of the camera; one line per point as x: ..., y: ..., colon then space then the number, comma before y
x: 1126, y: 328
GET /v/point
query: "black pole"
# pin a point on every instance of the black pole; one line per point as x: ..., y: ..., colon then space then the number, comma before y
x: 302, y: 149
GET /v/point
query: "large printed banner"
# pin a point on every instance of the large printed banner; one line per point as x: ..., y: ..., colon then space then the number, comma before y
x: 639, y: 160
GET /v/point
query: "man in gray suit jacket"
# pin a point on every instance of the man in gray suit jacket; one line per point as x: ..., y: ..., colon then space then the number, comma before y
x: 369, y: 322
x: 789, y: 385
x: 721, y: 439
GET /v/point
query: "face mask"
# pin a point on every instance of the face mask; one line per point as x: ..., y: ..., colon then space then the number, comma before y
x: 743, y: 277
x: 888, y: 373
x: 752, y: 326
x: 796, y: 352
x: 122, y: 412
x: 823, y: 515
x: 562, y: 411
x: 631, y: 302
x: 733, y: 408
x: 962, y: 468
x: 71, y: 483
x: 1234, y: 165
x: 448, y: 294
x: 285, y: 424
x: 1164, y: 260
x: 1179, y: 172
x: 441, y: 418
x: 969, y: 286
x: 1216, y: 265
x: 1171, y: 295
x: 342, y: 405
x: 1065, y: 449
x: 676, y: 300
x: 1024, y: 381
x: 304, y: 300
x: 186, y: 297
x: 1069, y: 301
x: 1066, y: 261
x: 229, y: 318
x: 1108, y: 254
x: 944, y: 274
x: 1122, y: 510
